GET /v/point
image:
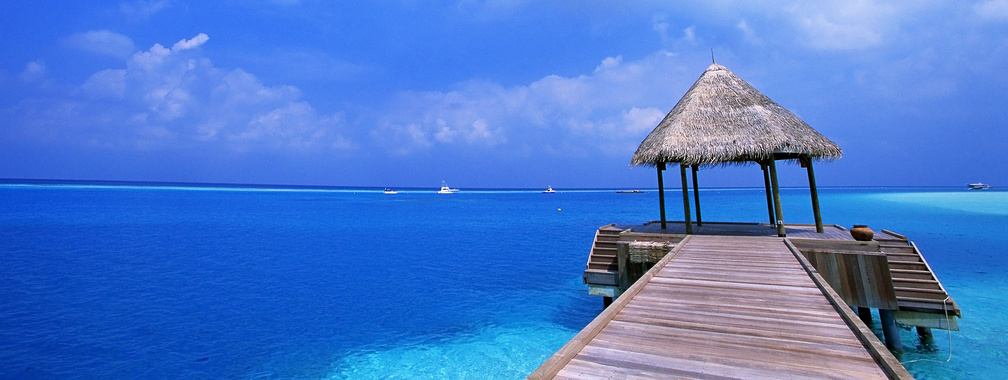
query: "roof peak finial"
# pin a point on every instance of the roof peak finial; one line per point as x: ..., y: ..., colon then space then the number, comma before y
x: 712, y: 61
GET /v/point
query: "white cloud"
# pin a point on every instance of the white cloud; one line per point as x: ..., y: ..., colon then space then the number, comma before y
x: 642, y: 120
x: 846, y: 25
x: 689, y: 35
x: 748, y: 32
x: 305, y: 65
x: 184, y: 44
x: 993, y: 10
x: 33, y: 71
x: 138, y: 11
x: 102, y: 42
x: 167, y: 97
x: 294, y: 125
x: 615, y: 106
x: 660, y: 25
x: 108, y: 83
x: 150, y: 60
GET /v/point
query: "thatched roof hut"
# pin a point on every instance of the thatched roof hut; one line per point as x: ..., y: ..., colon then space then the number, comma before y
x: 722, y: 119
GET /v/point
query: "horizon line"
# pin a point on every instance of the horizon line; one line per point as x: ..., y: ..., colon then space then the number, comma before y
x: 227, y: 185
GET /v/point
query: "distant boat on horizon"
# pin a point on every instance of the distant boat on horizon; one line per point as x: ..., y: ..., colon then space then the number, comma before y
x: 549, y: 190
x: 445, y: 189
x: 390, y: 191
x: 978, y: 186
x: 629, y: 191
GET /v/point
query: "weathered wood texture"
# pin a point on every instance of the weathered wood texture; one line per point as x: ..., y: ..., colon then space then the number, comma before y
x: 917, y: 288
x: 602, y: 266
x: 861, y: 279
x: 921, y: 300
x: 879, y: 351
x: 720, y: 307
x: 808, y: 231
x: 920, y: 297
x: 637, y: 253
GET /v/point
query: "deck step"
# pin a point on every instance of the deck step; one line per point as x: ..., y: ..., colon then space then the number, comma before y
x: 940, y: 300
x: 909, y: 267
x: 918, y: 281
x: 602, y: 259
x: 930, y: 305
x: 911, y: 271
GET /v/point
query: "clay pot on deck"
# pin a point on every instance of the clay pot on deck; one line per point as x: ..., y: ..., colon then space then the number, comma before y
x: 861, y: 232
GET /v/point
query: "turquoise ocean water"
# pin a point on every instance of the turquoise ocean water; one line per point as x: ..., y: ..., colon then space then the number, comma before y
x: 156, y: 281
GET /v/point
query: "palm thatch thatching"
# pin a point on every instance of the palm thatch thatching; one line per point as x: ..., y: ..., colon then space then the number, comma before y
x: 724, y: 120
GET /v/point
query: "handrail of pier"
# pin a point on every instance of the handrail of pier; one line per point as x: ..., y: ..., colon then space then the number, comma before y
x: 885, y: 359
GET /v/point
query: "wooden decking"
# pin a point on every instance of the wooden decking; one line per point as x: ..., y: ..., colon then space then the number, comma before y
x: 726, y: 307
x: 830, y: 232
x: 922, y: 300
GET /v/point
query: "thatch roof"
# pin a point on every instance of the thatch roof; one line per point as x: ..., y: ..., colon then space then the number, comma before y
x: 724, y: 120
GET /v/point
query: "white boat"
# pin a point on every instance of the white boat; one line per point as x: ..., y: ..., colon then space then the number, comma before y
x: 978, y: 186
x: 549, y: 190
x: 446, y: 190
x: 390, y: 191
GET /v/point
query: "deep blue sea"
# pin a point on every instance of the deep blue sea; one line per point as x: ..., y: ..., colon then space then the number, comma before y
x: 155, y: 281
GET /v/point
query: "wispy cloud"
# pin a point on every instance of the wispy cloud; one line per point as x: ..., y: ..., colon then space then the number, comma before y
x: 33, y: 71
x: 138, y: 11
x: 748, y: 32
x: 607, y: 111
x: 993, y: 10
x: 846, y: 25
x: 102, y: 42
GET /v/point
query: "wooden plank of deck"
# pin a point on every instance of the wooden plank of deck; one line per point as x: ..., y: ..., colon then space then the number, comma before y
x: 805, y: 231
x: 720, y: 307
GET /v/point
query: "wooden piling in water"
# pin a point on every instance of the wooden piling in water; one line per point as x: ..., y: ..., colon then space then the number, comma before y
x: 924, y: 333
x: 865, y: 314
x: 890, y: 331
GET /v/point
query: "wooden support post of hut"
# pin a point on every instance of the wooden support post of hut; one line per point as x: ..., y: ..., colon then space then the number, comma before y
x: 661, y: 193
x: 724, y: 120
x: 806, y: 163
x: 685, y: 198
x: 696, y: 196
x: 776, y: 195
x: 769, y: 193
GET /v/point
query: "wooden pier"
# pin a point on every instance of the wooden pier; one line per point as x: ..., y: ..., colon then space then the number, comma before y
x: 735, y: 301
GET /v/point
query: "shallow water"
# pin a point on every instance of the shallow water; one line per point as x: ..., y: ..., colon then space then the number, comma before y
x: 111, y: 282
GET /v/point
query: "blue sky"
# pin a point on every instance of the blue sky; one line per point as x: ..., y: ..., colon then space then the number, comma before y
x: 506, y: 93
